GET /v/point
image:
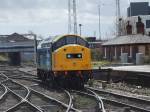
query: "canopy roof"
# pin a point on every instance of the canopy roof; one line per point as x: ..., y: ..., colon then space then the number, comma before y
x: 128, y: 39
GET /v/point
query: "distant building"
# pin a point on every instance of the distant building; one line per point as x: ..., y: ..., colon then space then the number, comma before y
x: 132, y: 23
x: 96, y: 48
x: 15, y: 37
x: 138, y: 8
x: 93, y: 43
x: 18, y: 47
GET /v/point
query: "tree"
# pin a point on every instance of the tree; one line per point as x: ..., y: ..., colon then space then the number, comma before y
x: 96, y: 54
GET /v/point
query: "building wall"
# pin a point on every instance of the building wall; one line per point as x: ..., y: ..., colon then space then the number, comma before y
x: 147, y: 50
x: 134, y: 19
x: 109, y: 51
x: 138, y: 8
x: 141, y: 49
x: 27, y: 56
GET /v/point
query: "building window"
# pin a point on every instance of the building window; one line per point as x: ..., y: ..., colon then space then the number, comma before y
x: 147, y: 23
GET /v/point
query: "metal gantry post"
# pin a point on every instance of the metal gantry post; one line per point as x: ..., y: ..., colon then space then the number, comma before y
x: 72, y: 17
x: 118, y: 32
x: 75, y: 16
x: 99, y: 13
x: 69, y: 17
x: 80, y: 25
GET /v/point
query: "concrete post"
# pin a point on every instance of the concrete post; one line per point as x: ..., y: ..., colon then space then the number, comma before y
x: 124, y: 58
x: 121, y: 50
x: 105, y: 52
x: 115, y: 57
x: 130, y: 51
x: 35, y: 49
x: 139, y: 58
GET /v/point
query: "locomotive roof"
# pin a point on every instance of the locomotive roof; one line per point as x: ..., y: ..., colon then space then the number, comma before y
x: 53, y: 39
x: 61, y: 36
x: 45, y: 41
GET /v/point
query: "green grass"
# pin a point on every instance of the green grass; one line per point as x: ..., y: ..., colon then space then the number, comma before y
x: 100, y: 63
x: 3, y: 58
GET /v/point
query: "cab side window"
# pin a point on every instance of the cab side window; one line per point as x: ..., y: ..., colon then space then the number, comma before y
x: 82, y: 42
x: 59, y: 43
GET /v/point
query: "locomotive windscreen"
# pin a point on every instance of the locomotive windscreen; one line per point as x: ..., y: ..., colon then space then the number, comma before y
x: 69, y: 40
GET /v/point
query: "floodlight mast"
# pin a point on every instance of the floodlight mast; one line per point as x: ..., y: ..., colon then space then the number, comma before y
x: 118, y: 16
x: 72, y: 17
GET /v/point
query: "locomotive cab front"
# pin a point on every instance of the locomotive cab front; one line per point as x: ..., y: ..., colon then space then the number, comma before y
x: 71, y: 58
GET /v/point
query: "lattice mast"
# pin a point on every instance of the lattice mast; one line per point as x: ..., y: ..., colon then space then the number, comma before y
x: 72, y: 17
x: 118, y: 17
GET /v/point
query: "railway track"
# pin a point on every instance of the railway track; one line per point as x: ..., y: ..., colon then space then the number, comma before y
x: 114, y: 100
x: 72, y: 102
x: 92, y: 103
x: 17, y: 88
x: 89, y: 100
x: 2, y: 77
x: 3, y: 90
x: 15, y: 73
x: 18, y: 97
x: 60, y: 95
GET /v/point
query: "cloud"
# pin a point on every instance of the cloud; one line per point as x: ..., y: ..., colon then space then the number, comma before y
x: 33, y: 16
x: 32, y: 4
x: 88, y: 18
x: 50, y: 16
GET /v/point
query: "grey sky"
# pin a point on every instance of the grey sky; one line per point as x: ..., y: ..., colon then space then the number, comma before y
x: 49, y: 17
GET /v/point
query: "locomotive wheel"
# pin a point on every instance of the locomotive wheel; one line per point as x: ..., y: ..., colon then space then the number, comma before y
x: 55, y: 83
x: 44, y: 76
x: 65, y: 84
x: 80, y: 83
x: 39, y: 74
x: 77, y: 83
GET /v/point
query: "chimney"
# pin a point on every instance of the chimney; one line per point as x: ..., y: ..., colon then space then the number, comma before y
x: 140, y: 26
x: 129, y: 28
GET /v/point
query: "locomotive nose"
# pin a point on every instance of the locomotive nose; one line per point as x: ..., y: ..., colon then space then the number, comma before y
x: 71, y: 57
x: 74, y: 63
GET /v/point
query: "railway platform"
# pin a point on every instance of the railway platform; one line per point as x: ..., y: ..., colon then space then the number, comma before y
x: 139, y: 75
x: 137, y: 68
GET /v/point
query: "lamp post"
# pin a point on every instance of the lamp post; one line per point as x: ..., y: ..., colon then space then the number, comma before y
x: 80, y: 25
x: 99, y: 13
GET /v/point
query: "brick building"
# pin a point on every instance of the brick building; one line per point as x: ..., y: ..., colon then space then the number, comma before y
x: 129, y: 43
x: 18, y: 48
